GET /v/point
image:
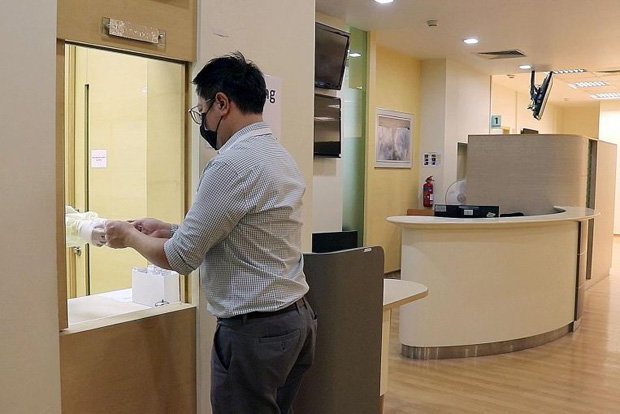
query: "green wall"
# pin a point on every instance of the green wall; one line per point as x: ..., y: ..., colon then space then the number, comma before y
x: 354, y: 136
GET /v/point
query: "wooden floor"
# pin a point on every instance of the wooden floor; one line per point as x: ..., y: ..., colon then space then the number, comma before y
x: 578, y: 373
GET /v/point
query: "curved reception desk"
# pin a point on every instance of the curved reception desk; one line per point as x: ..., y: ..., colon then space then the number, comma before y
x: 497, y: 284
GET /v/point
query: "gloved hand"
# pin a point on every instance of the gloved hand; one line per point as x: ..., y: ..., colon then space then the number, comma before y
x: 98, y: 236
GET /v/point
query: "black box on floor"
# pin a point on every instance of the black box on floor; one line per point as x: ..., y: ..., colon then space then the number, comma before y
x: 465, y: 211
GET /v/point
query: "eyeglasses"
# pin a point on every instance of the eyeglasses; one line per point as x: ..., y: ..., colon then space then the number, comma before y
x: 196, y: 114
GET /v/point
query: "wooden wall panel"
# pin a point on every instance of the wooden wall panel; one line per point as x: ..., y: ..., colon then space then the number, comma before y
x: 61, y: 251
x: 81, y: 21
x: 146, y: 365
x: 604, y: 199
x: 527, y: 173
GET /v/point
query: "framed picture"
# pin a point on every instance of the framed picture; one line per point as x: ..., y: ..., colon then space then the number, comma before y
x: 393, y: 139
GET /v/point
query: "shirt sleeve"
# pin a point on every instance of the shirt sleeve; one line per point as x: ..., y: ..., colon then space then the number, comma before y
x: 218, y: 206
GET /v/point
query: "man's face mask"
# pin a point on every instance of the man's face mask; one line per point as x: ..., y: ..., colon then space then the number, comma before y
x: 209, y: 135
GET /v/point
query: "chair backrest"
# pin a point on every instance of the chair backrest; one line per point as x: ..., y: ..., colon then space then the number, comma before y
x: 346, y: 291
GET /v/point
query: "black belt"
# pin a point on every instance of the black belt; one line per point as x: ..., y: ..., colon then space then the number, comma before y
x: 296, y: 305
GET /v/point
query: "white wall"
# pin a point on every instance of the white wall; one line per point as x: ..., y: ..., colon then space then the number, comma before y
x: 279, y: 37
x: 432, y: 122
x: 468, y: 105
x: 454, y: 103
x: 327, y: 177
x: 29, y: 351
x: 327, y: 185
x: 609, y: 130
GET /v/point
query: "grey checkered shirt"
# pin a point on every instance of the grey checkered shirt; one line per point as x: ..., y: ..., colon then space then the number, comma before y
x: 244, y: 228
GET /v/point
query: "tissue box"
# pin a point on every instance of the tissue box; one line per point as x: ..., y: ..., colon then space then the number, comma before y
x: 154, y: 286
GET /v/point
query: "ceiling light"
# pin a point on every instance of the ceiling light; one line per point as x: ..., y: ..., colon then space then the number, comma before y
x: 525, y: 67
x: 563, y: 71
x: 355, y: 54
x: 608, y: 95
x: 594, y: 84
x: 471, y: 41
x: 384, y: 1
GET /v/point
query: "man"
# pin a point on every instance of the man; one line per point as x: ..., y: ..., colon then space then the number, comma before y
x: 244, y: 230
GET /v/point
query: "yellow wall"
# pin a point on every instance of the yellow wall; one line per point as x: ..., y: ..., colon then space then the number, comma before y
x: 394, y: 84
x: 512, y: 106
x: 581, y: 120
x: 139, y: 119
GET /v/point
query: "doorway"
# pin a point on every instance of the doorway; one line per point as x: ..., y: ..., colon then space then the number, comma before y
x: 124, y: 153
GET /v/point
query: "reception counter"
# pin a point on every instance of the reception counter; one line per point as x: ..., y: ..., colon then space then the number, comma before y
x: 499, y: 284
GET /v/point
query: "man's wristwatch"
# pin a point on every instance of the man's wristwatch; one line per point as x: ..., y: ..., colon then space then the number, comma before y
x: 173, y: 229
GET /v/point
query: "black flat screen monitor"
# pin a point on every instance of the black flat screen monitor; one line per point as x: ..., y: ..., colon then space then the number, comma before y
x: 331, y: 49
x: 326, y: 126
x: 540, y: 94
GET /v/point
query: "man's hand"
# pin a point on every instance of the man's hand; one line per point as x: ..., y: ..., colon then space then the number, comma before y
x: 122, y: 234
x: 118, y: 233
x: 153, y: 227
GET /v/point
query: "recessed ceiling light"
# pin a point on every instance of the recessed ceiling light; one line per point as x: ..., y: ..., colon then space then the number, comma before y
x: 355, y: 54
x: 609, y: 95
x: 564, y: 71
x: 384, y: 1
x: 471, y: 41
x: 525, y: 67
x: 594, y: 84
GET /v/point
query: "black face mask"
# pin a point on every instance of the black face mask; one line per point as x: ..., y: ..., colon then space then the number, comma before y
x: 207, y: 134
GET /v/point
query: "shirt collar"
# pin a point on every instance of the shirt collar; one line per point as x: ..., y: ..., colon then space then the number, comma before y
x: 242, y: 132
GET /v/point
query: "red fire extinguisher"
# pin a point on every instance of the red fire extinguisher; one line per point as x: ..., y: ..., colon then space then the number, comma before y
x: 427, y: 192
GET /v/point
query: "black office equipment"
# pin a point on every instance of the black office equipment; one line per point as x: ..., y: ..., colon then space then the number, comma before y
x: 465, y: 211
x: 327, y: 121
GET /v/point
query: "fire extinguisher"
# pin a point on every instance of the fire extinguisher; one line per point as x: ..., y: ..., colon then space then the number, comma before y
x: 427, y: 192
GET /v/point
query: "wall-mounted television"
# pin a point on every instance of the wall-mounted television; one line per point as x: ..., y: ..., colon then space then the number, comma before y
x: 539, y: 95
x: 326, y: 126
x: 331, y: 49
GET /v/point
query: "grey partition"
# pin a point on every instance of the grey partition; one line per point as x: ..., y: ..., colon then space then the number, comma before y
x: 527, y: 173
x: 346, y: 291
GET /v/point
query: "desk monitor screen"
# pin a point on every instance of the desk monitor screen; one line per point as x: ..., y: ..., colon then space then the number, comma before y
x: 466, y: 211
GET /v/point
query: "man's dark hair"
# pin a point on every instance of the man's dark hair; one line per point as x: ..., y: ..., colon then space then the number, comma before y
x: 241, y: 80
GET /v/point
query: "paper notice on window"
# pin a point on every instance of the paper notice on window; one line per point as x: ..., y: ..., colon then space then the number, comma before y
x: 272, y: 113
x: 99, y: 159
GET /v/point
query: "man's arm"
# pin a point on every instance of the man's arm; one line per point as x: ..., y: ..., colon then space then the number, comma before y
x: 121, y: 234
